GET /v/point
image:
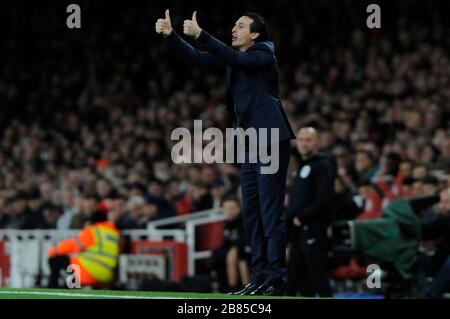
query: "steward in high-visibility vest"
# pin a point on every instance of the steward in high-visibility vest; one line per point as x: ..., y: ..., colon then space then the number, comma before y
x: 95, y: 251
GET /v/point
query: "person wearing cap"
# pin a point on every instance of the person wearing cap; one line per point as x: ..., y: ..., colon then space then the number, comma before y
x: 95, y: 251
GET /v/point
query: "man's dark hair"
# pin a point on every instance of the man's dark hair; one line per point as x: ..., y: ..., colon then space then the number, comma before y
x: 51, y: 207
x: 258, y: 25
x: 431, y: 180
x: 369, y: 154
x: 98, y: 216
x: 232, y: 198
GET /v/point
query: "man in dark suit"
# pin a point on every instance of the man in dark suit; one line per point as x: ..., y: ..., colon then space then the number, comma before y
x: 252, y: 96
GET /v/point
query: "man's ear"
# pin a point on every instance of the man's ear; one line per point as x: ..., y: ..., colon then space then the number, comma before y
x: 254, y: 35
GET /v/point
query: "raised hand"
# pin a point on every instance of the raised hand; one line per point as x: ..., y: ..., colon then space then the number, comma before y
x: 191, y: 28
x: 164, y: 26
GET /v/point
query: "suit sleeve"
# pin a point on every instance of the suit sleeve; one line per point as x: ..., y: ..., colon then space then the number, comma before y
x: 193, y: 55
x: 325, y: 189
x: 253, y: 59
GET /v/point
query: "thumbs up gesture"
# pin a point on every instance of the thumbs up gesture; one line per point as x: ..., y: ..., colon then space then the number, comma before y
x: 164, y: 26
x: 191, y: 28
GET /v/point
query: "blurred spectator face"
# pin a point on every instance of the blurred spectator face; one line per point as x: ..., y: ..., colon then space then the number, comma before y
x: 362, y: 124
x: 442, y: 208
x: 231, y: 209
x: 196, y: 191
x: 427, y: 155
x: 342, y: 130
x: 338, y: 185
x: 103, y: 188
x: 117, y: 210
x: 51, y: 215
x: 149, y: 210
x: 194, y: 174
x: 413, y: 153
x: 45, y: 190
x: 68, y: 198
x: 307, y: 141
x: 447, y: 181
x: 162, y: 170
x: 134, y: 206
x: 89, y: 206
x: 414, y: 120
x: 432, y: 120
x: 34, y: 204
x: 366, y: 191
x: 326, y: 140
x: 218, y: 191
x: 406, y: 189
x: 389, y: 164
x: 19, y: 206
x: 339, y: 152
x: 208, y: 175
x: 363, y: 162
x: 155, y: 189
x: 173, y: 190
x: 419, y: 172
x: 241, y: 36
x: 417, y: 188
x: 429, y: 188
x: 405, y: 169
x: 445, y: 148
x: 136, y: 191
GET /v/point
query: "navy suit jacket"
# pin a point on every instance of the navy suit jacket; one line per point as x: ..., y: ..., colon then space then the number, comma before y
x: 251, y: 80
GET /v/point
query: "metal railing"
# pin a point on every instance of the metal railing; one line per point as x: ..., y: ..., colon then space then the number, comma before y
x: 190, y: 222
x: 27, y: 247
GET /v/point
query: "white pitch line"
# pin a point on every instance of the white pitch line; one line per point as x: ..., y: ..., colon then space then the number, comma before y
x: 67, y: 294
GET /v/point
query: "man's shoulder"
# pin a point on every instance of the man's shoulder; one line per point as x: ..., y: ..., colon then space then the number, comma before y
x: 263, y: 46
x: 322, y: 160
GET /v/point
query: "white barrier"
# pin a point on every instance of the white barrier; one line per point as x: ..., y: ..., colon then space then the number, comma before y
x: 190, y: 222
x: 28, y: 253
x: 28, y: 248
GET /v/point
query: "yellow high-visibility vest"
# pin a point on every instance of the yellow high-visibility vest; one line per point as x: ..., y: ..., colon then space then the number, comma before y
x: 101, y: 258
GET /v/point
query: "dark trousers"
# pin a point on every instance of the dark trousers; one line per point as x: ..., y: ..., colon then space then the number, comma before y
x: 440, y: 281
x: 218, y: 263
x: 263, y: 202
x: 57, y: 263
x: 307, y: 263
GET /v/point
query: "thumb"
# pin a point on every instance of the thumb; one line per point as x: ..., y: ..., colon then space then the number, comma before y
x: 167, y: 15
x: 194, y: 16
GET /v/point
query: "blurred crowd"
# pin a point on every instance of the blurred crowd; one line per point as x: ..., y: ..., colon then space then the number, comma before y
x: 87, y: 114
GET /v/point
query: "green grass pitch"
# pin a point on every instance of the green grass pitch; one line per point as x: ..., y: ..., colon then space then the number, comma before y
x: 25, y: 293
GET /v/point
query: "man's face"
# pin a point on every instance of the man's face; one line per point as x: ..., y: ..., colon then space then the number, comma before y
x: 362, y: 161
x: 419, y: 172
x: 155, y: 189
x: 89, y: 205
x: 231, y: 209
x: 429, y: 188
x: 51, y: 215
x: 307, y: 141
x: 241, y: 36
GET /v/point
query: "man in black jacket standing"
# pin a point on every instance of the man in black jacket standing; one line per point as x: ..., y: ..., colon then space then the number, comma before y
x: 308, y: 214
x: 252, y: 96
